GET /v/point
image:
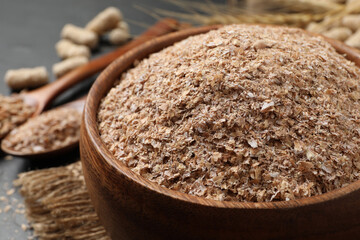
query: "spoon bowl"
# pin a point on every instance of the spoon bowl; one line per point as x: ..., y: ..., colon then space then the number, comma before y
x: 78, y: 105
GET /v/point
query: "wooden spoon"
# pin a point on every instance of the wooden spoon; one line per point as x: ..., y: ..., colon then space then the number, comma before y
x: 78, y: 105
x: 42, y: 97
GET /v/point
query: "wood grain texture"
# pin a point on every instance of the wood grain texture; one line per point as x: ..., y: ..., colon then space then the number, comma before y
x: 131, y: 207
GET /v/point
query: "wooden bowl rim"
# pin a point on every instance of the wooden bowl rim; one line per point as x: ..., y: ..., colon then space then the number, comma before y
x: 112, y: 72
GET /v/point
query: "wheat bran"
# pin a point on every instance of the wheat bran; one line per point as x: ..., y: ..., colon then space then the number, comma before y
x: 51, y: 130
x: 243, y: 113
x: 13, y: 112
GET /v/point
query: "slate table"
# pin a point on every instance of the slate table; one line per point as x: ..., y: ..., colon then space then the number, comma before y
x: 28, y: 33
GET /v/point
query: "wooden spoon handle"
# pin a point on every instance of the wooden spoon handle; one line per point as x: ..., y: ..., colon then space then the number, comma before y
x: 46, y: 94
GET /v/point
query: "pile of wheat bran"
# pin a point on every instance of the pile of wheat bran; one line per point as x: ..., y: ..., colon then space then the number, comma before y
x: 243, y: 113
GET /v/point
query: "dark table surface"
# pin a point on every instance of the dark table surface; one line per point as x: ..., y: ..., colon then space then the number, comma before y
x: 28, y: 33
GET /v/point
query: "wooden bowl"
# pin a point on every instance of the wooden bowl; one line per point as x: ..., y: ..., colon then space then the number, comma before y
x: 131, y: 207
